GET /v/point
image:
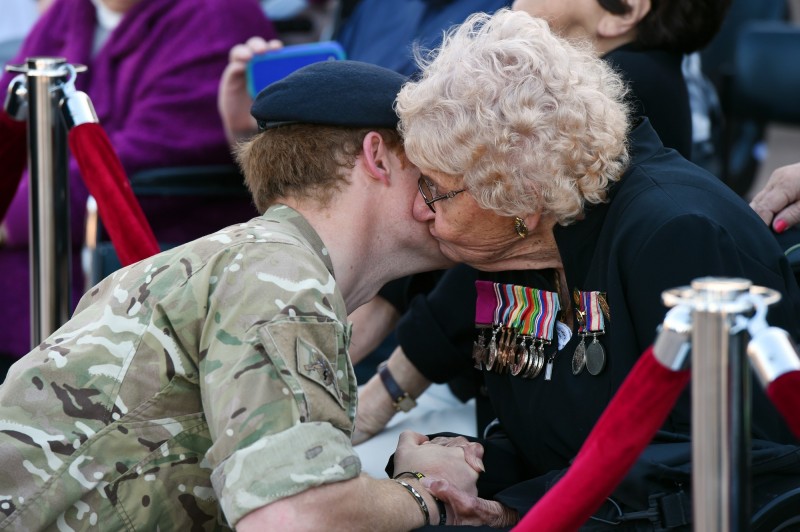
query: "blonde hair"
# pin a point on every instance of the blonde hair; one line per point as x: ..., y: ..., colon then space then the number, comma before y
x: 531, y: 122
x: 304, y: 161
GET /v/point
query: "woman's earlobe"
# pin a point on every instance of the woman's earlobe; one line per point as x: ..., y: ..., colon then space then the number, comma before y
x: 527, y: 224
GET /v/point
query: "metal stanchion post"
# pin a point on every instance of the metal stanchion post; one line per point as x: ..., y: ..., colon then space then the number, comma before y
x: 717, y: 368
x: 720, y: 400
x: 50, y: 247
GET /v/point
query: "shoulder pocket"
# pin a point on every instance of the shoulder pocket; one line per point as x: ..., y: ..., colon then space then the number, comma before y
x: 314, y: 364
x: 314, y: 352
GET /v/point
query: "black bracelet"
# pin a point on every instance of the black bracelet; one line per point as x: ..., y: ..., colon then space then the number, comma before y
x: 420, y: 501
x: 439, y: 504
x: 442, y: 511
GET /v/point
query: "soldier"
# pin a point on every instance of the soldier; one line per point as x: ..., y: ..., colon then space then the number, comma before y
x: 209, y: 386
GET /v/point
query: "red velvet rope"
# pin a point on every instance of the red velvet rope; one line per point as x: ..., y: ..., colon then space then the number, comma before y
x: 105, y: 178
x: 637, y: 411
x: 13, y: 157
x: 784, y: 392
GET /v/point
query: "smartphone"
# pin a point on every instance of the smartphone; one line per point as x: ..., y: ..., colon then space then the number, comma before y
x: 269, y: 67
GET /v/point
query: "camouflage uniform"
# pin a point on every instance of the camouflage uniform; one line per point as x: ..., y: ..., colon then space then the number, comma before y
x: 212, y: 378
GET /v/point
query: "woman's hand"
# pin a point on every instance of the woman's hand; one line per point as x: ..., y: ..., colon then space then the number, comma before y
x: 778, y: 203
x: 466, y: 509
x: 375, y: 410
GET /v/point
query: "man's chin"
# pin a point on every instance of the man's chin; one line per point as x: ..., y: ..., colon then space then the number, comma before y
x: 430, y: 257
x: 440, y: 261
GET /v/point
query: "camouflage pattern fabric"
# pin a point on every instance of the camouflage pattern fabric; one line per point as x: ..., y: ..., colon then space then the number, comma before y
x: 187, y: 390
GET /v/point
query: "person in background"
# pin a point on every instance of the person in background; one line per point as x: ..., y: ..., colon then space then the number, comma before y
x: 387, y: 33
x: 18, y: 17
x: 209, y: 386
x: 778, y: 203
x: 374, y: 31
x: 153, y: 74
x: 646, y: 42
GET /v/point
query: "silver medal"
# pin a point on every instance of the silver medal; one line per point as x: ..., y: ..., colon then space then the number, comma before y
x: 492, y: 351
x: 521, y: 359
x: 595, y: 357
x: 579, y: 357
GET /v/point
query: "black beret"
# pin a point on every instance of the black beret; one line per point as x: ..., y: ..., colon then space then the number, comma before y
x: 334, y: 93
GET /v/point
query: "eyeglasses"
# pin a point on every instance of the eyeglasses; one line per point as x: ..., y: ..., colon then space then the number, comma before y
x: 428, y: 191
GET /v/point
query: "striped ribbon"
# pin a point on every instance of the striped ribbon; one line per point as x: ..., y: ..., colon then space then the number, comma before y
x: 529, y: 311
x: 593, y: 313
x: 543, y: 320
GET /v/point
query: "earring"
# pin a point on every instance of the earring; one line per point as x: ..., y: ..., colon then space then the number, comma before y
x: 520, y: 227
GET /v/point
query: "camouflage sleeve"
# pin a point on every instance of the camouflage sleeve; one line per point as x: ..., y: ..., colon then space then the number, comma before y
x: 278, y: 388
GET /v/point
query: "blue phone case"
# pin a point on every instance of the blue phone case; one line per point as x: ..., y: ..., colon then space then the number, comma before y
x: 267, y: 68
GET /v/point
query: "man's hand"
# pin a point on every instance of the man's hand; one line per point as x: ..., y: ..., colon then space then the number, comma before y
x: 778, y: 203
x: 456, y: 460
x: 233, y: 100
x: 466, y: 509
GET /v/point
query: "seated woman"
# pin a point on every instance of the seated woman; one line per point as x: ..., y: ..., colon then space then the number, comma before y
x: 532, y: 168
x: 645, y: 43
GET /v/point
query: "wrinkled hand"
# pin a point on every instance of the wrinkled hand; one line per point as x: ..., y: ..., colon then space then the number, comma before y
x: 233, y: 100
x: 778, y: 203
x: 457, y: 460
x: 467, y: 509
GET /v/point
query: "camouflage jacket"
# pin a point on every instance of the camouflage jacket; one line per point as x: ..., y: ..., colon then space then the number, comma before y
x: 187, y: 390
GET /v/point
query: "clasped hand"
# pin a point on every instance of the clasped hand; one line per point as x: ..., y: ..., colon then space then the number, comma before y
x: 451, y: 466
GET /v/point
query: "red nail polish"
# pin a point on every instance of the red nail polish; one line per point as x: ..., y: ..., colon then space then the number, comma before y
x: 780, y: 226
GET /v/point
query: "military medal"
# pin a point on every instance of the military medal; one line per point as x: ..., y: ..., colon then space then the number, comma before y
x: 522, y: 358
x: 479, y: 350
x: 484, y: 310
x: 540, y: 324
x: 519, y: 308
x: 522, y: 320
x: 595, y: 357
x: 579, y: 356
x: 592, y: 308
x: 492, y: 358
x: 537, y: 362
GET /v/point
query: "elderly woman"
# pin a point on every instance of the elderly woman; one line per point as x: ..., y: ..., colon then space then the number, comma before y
x: 531, y: 167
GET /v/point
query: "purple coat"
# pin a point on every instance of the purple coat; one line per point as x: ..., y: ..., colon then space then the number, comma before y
x: 154, y: 86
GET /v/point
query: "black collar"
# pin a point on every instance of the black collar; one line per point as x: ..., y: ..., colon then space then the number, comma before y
x: 577, y: 242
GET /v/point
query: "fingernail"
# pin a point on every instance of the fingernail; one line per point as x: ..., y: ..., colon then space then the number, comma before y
x: 780, y: 226
x: 480, y: 464
x: 425, y: 481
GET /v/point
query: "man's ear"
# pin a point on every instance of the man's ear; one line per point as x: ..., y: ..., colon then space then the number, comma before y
x: 612, y: 26
x: 376, y: 157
